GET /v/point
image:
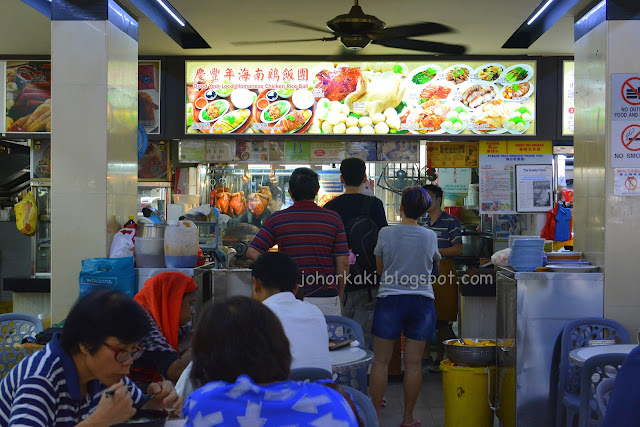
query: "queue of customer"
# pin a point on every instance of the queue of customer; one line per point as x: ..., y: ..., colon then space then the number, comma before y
x: 244, y: 348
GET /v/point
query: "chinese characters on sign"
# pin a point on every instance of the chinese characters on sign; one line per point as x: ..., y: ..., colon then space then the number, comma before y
x: 497, y: 171
x: 358, y: 98
x: 452, y: 154
x: 627, y: 182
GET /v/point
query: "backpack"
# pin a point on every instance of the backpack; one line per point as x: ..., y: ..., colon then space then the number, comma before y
x: 362, y: 237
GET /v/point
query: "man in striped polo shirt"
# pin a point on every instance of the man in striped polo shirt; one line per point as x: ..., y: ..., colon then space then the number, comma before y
x: 314, y: 237
x: 80, y: 378
x: 449, y: 232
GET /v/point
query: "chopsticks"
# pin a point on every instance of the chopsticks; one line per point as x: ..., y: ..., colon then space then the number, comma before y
x: 110, y: 392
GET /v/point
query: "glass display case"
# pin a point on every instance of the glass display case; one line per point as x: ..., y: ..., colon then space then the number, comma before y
x: 41, y: 241
x: 156, y: 194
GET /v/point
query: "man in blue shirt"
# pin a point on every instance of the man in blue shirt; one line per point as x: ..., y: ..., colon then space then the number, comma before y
x: 449, y: 232
x: 625, y: 398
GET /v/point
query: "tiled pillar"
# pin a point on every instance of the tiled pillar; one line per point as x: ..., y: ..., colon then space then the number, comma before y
x: 94, y: 51
x: 607, y: 227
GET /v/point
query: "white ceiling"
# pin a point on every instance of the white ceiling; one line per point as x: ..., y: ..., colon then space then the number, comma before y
x: 483, y: 26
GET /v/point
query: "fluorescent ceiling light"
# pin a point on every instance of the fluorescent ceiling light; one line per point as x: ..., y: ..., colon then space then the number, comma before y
x: 591, y: 12
x: 170, y: 12
x: 537, y: 14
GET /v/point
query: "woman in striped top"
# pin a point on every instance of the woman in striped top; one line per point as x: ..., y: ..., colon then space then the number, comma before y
x: 80, y: 377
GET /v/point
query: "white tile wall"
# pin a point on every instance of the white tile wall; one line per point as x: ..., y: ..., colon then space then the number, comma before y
x: 607, y: 226
x: 94, y: 147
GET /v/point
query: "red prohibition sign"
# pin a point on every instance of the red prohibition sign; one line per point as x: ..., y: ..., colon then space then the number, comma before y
x: 631, y: 183
x: 630, y: 134
x: 633, y: 92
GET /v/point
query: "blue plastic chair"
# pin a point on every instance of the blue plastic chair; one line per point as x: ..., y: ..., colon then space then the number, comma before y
x: 603, y: 393
x: 595, y: 370
x: 366, y: 410
x: 311, y: 374
x: 14, y: 327
x: 344, y: 328
x: 577, y: 334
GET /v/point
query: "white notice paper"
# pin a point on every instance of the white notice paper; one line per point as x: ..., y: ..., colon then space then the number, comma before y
x: 534, y: 189
x: 497, y: 189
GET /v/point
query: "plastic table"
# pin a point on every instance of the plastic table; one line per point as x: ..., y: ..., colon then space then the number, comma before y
x: 579, y: 355
x: 348, y: 358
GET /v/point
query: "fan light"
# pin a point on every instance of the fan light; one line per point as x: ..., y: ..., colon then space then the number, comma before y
x: 355, y: 42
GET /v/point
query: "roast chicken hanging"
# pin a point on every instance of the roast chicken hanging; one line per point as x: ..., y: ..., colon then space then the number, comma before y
x: 258, y: 201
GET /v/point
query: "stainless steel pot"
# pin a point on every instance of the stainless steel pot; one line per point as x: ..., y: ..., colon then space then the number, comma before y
x: 477, y: 243
x: 151, y: 230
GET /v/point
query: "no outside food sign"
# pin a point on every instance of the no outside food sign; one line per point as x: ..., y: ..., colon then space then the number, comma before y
x: 625, y: 120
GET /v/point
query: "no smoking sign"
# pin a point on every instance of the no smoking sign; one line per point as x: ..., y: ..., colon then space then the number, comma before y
x: 625, y: 120
x: 626, y: 182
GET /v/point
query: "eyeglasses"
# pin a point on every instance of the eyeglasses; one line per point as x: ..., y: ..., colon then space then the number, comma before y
x: 124, y: 355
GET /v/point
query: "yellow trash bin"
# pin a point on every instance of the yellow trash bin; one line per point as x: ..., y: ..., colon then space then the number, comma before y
x: 466, y: 395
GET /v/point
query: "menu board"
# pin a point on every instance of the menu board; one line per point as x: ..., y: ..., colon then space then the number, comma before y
x: 398, y: 151
x: 439, y: 97
x: 365, y: 151
x: 149, y: 96
x: 154, y: 163
x: 452, y: 154
x: 330, y: 186
x: 568, y: 95
x: 257, y: 151
x: 27, y: 96
x: 534, y: 190
x: 191, y: 151
x: 220, y: 151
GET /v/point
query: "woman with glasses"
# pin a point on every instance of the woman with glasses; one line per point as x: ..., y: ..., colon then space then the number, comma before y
x: 80, y: 377
x: 168, y: 300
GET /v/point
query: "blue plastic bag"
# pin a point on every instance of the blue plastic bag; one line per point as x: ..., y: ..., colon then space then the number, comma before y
x: 108, y: 274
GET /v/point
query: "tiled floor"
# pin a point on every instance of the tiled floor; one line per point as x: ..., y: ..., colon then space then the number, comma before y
x: 429, y: 408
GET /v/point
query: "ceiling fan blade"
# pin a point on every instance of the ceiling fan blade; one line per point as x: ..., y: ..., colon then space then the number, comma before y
x: 324, y: 39
x: 300, y: 25
x: 423, y: 46
x: 411, y: 30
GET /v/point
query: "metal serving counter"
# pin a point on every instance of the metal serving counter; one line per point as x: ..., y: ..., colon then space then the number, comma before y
x: 532, y: 309
x: 231, y: 282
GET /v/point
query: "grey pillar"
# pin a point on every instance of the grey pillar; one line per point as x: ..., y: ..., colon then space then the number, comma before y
x: 94, y: 52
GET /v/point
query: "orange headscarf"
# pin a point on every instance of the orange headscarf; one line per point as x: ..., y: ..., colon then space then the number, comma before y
x: 161, y: 296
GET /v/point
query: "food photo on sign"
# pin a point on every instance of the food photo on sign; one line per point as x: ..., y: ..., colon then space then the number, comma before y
x: 361, y: 98
x: 149, y: 96
x: 154, y: 163
x: 28, y: 96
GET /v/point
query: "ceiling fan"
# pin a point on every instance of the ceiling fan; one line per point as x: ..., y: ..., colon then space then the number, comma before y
x: 356, y: 30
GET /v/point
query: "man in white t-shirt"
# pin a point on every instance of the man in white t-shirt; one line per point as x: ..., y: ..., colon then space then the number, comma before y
x: 275, y: 276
